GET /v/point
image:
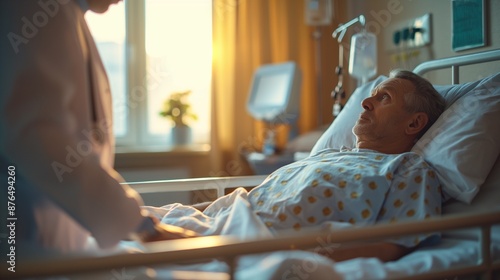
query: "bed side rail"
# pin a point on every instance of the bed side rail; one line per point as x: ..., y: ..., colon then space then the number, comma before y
x: 194, y: 184
x: 455, y: 62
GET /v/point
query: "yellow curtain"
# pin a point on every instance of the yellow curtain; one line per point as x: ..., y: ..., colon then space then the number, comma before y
x: 247, y: 34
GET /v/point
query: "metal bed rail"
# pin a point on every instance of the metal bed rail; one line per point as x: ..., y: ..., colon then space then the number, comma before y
x: 455, y: 62
x: 220, y: 184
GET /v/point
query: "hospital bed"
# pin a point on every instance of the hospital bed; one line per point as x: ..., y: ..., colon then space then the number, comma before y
x: 470, y: 224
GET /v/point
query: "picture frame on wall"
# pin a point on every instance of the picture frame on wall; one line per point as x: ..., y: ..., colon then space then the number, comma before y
x: 468, y: 24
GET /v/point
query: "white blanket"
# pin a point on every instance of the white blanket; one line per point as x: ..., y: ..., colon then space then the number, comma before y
x: 228, y: 215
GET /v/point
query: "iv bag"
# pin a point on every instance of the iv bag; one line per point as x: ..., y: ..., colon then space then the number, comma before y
x: 363, y: 56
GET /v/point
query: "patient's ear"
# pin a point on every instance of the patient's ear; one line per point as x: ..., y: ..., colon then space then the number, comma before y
x: 417, y: 123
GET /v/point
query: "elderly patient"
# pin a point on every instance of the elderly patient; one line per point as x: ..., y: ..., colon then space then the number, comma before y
x: 378, y: 181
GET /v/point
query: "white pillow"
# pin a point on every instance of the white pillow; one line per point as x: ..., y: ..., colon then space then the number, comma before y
x: 486, y: 199
x: 462, y: 145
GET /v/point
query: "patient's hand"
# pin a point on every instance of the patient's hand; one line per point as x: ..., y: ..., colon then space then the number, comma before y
x: 169, y: 232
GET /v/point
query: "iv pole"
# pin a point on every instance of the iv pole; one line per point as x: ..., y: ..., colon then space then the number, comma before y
x: 339, y: 93
x: 343, y: 27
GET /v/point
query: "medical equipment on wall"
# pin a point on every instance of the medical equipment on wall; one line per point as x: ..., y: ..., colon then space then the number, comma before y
x: 362, y: 58
x: 318, y: 12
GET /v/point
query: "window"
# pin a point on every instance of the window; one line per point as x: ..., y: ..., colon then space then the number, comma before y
x: 109, y: 34
x: 169, y: 47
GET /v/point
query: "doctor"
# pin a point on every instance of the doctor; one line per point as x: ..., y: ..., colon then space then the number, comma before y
x: 56, y: 133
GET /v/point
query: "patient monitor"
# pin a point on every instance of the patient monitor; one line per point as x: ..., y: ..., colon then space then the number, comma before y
x: 275, y: 99
x: 275, y: 93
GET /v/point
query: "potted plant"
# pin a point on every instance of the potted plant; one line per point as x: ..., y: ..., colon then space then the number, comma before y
x: 177, y: 109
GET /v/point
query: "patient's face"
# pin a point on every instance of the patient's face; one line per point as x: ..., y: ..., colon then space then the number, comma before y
x: 384, y: 116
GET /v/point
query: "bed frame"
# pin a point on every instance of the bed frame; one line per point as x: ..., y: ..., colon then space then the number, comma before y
x: 229, y: 248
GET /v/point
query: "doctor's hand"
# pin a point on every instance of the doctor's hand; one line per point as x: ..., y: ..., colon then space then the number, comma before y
x: 151, y: 229
x: 169, y: 232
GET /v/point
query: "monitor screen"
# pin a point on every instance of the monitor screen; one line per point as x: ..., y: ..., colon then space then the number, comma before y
x: 274, y: 94
x: 272, y: 89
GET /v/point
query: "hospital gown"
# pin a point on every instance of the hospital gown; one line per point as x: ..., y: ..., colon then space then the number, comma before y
x: 362, y: 187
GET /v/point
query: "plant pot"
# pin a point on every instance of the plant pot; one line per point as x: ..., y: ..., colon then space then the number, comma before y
x: 181, y: 135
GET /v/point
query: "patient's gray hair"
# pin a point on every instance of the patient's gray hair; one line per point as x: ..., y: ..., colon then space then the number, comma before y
x: 425, y: 98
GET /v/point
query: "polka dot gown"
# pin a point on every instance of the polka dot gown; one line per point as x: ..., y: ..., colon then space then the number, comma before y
x: 362, y: 187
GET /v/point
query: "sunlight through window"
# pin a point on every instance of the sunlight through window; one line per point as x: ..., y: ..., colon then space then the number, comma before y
x: 179, y: 57
x: 108, y: 31
x: 178, y: 46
